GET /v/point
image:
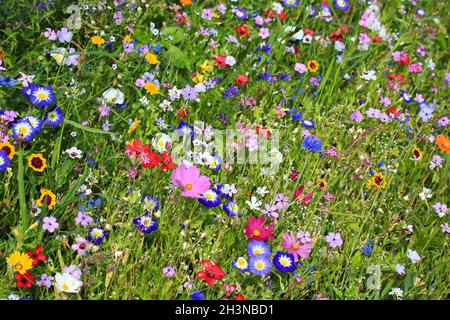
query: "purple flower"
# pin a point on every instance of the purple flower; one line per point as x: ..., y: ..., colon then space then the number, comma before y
x: 334, y: 239
x: 445, y: 228
x: 426, y: 113
x: 400, y: 269
x: 207, y: 14
x: 304, y: 237
x: 189, y: 93
x: 270, y: 210
x: 50, y: 34
x: 373, y: 113
x: 45, y: 281
x: 264, y: 33
x: 443, y: 122
x: 169, y: 272
x: 441, y: 209
x: 64, y: 35
x: 73, y: 270
x: 104, y: 110
x: 50, y: 224
x: 83, y: 219
x: 72, y: 58
x: 80, y: 245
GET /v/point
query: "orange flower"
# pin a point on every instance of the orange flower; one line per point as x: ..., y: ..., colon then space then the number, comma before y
x: 97, y: 40
x: 185, y: 2
x: 151, y: 88
x: 443, y: 143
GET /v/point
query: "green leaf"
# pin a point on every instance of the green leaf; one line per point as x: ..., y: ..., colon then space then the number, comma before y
x: 177, y: 57
x: 176, y: 33
x: 85, y: 128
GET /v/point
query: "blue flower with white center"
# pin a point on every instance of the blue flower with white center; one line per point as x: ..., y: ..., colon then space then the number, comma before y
x: 219, y: 187
x: 284, y: 262
x: 151, y: 203
x: 184, y: 129
x: 309, y: 124
x: 36, y: 123
x: 257, y: 248
x: 240, y: 263
x: 216, y: 164
x: 96, y: 235
x: 54, y: 117
x: 39, y: 96
x: 260, y: 265
x: 4, y: 160
x: 210, y: 199
x: 240, y: 13
x: 421, y: 13
x: 312, y: 143
x: 146, y: 224
x: 341, y: 4
x: 23, y: 129
x: 231, y: 209
x: 290, y: 3
x: 406, y: 96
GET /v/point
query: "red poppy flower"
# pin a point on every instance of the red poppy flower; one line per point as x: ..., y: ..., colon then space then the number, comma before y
x: 220, y: 61
x: 242, y: 31
x: 240, y: 297
x: 263, y: 132
x: 376, y: 39
x: 135, y: 148
x: 282, y: 15
x: 166, y: 161
x: 392, y: 112
x: 403, y: 59
x: 241, y: 80
x: 211, y: 273
x: 255, y: 229
x: 37, y: 255
x: 150, y: 159
x: 25, y: 280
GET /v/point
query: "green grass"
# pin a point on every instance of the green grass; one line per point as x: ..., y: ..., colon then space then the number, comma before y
x: 128, y: 265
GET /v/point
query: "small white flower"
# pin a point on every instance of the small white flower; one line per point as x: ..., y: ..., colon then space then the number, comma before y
x: 230, y: 60
x: 425, y: 194
x: 262, y: 191
x: 397, y: 293
x: 229, y: 189
x: 254, y: 204
x: 73, y: 134
x: 369, y: 75
x: 74, y: 153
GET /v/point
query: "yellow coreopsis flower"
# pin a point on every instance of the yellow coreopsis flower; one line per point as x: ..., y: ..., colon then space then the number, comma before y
x: 51, y: 199
x: 37, y: 162
x: 207, y: 66
x: 21, y: 262
x: 133, y: 126
x: 97, y: 40
x: 127, y: 39
x: 151, y: 88
x: 151, y: 58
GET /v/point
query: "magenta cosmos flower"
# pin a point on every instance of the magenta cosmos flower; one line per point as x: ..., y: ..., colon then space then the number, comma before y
x: 190, y: 180
x: 296, y: 247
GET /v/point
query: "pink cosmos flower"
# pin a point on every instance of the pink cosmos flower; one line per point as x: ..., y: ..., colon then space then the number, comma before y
x: 295, y: 247
x: 190, y: 181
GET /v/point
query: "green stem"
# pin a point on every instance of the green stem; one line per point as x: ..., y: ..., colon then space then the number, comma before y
x: 22, y: 202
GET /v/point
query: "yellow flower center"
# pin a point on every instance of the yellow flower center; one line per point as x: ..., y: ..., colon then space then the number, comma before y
x: 295, y: 246
x: 42, y: 96
x: 256, y: 233
x: 259, y: 265
x: 18, y: 267
x: 188, y: 186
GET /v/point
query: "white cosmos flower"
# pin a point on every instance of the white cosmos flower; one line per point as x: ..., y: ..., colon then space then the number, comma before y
x: 113, y: 96
x: 254, y: 204
x: 65, y: 282
x: 74, y: 152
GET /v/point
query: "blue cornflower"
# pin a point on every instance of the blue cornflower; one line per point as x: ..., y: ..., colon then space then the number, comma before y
x: 146, y: 224
x: 210, y: 199
x: 312, y: 143
x: 96, y: 235
x: 257, y: 248
x: 284, y: 262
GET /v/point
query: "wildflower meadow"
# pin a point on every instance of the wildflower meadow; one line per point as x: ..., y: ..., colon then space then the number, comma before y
x: 224, y: 150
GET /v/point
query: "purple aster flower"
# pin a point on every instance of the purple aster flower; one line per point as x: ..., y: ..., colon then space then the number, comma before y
x: 50, y: 224
x: 400, y: 269
x: 189, y: 93
x: 334, y: 239
x: 444, y: 121
x: 264, y: 33
x: 426, y: 113
x: 169, y: 272
x: 64, y: 35
x: 45, y: 281
x: 207, y: 14
x: 357, y: 116
x: 373, y: 113
x: 83, y: 219
x: 445, y: 228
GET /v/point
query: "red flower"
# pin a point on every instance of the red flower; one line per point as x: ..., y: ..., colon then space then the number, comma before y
x: 282, y: 15
x: 135, y: 148
x: 376, y: 39
x: 211, y: 273
x: 403, y: 59
x: 255, y: 230
x: 263, y: 132
x: 220, y: 61
x: 166, y: 161
x: 25, y: 280
x: 150, y: 159
x: 393, y: 112
x: 182, y: 113
x: 241, y: 80
x: 240, y: 297
x: 242, y: 31
x: 37, y: 255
